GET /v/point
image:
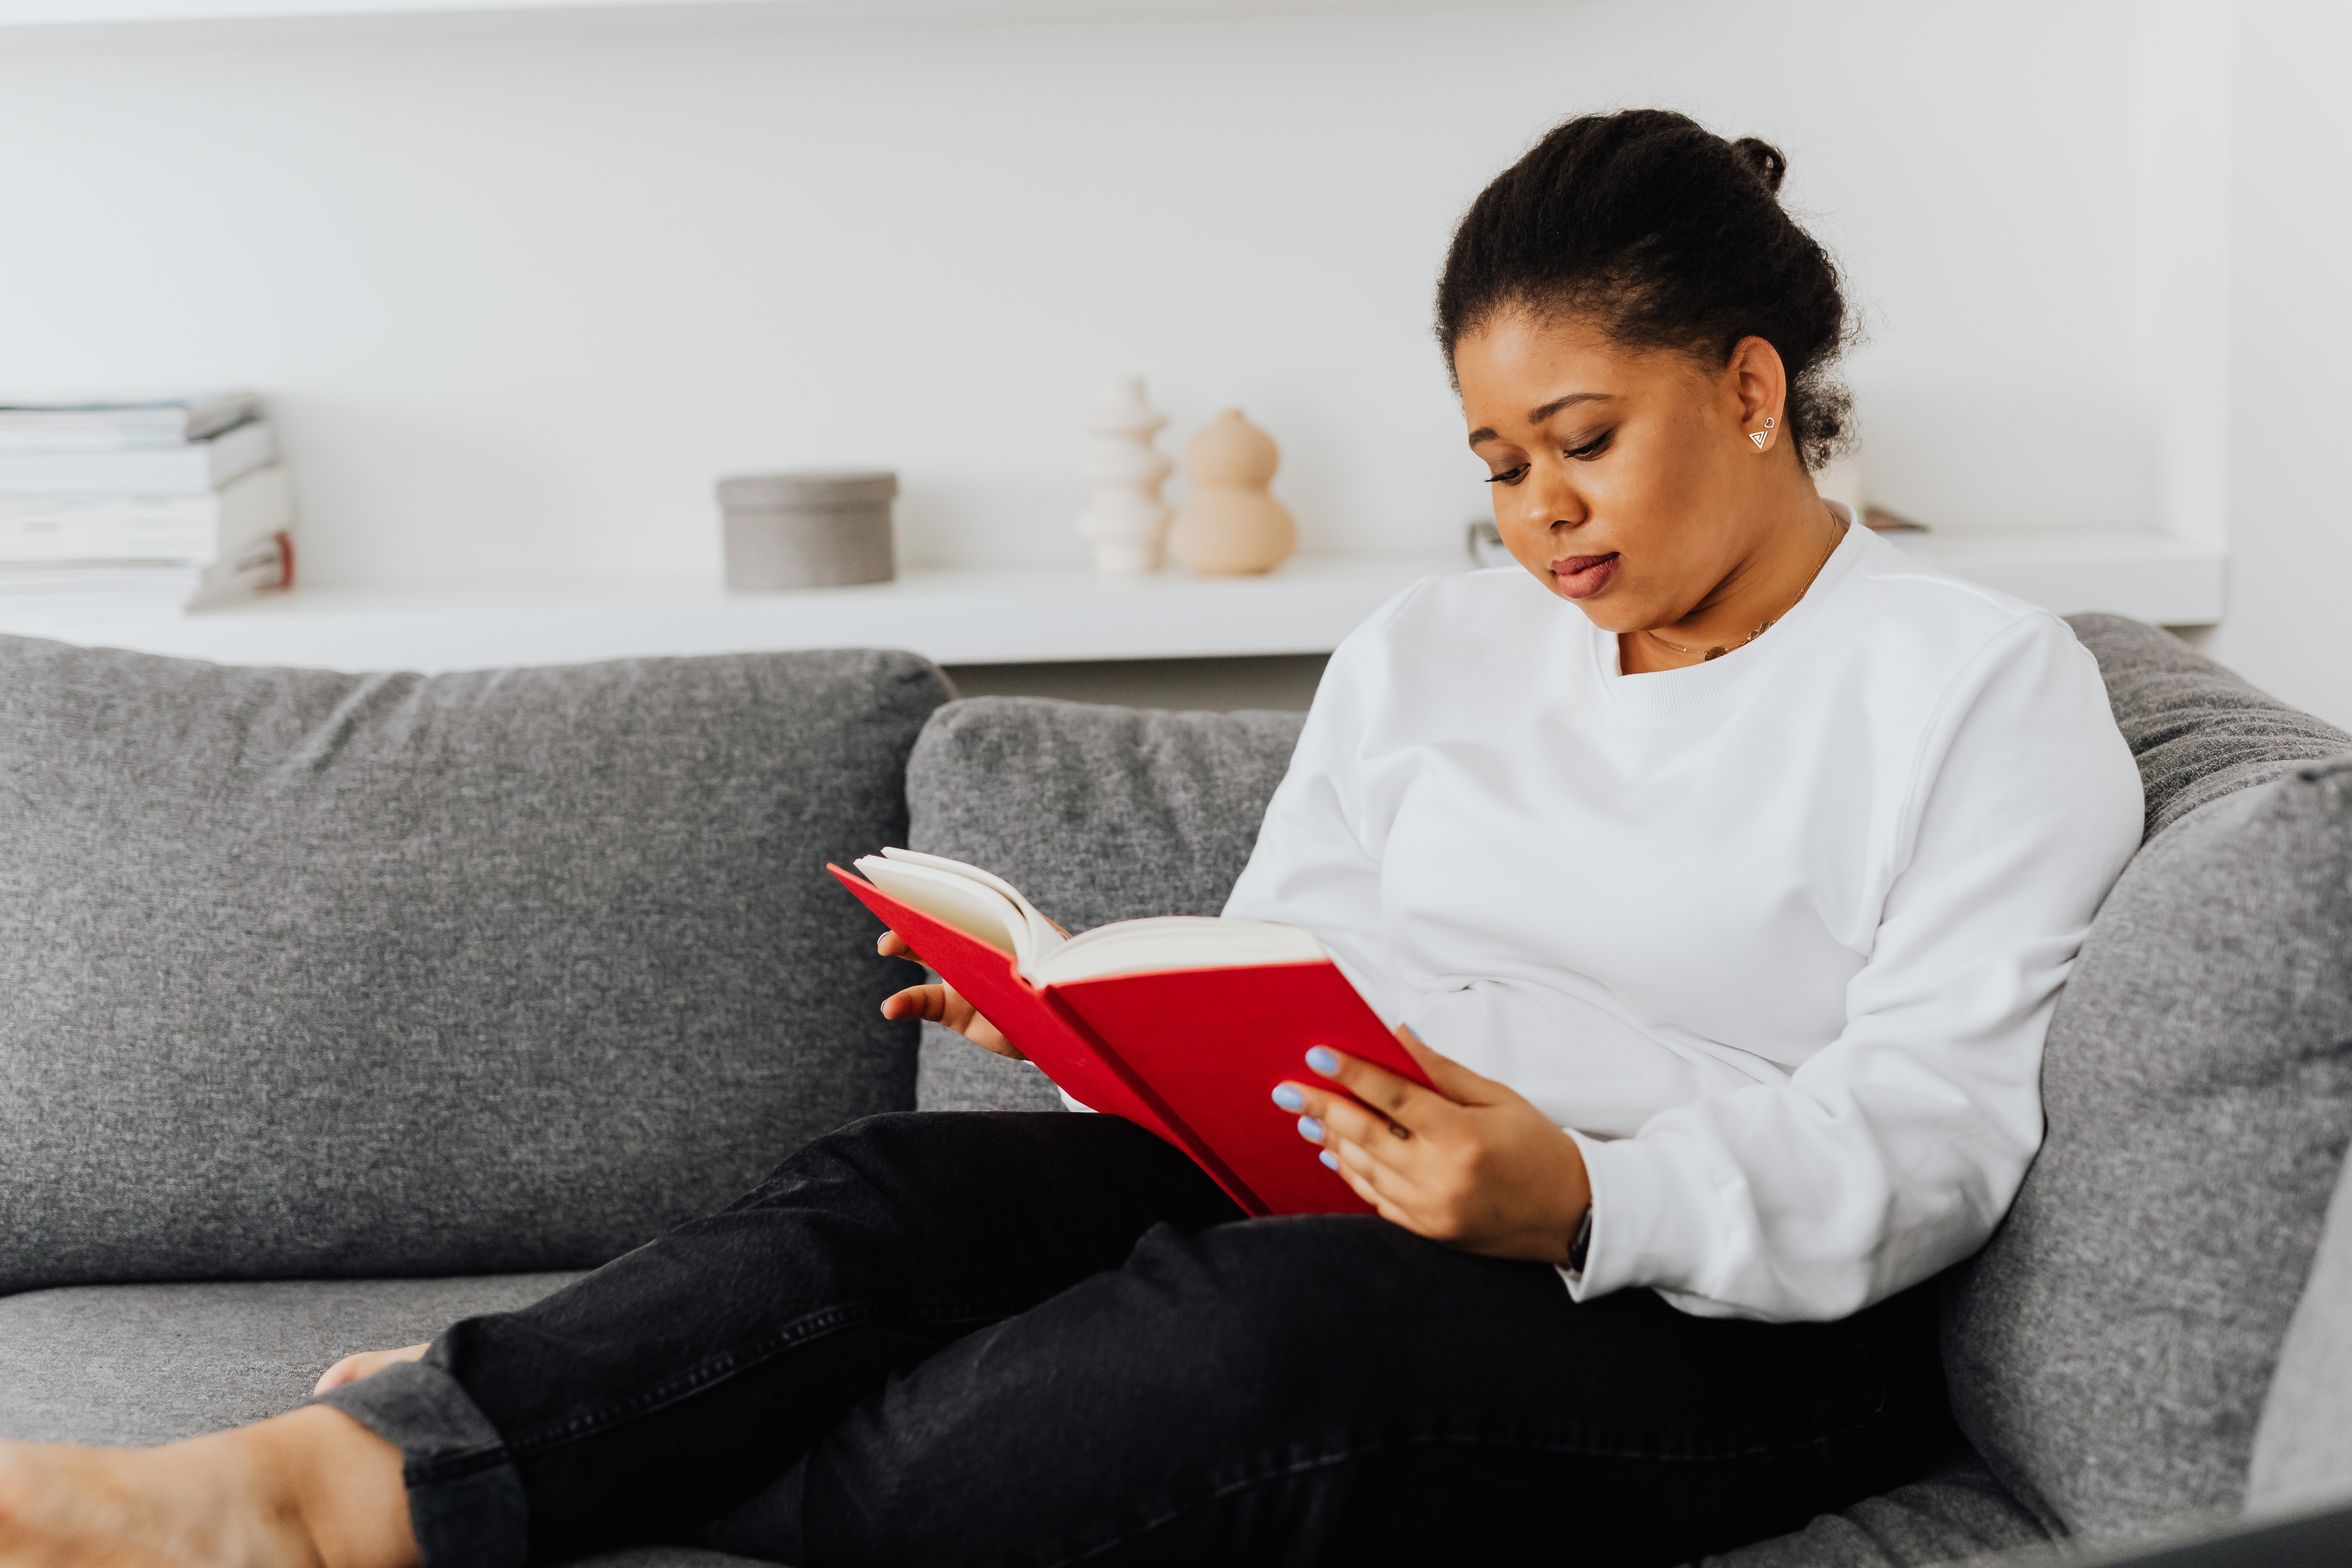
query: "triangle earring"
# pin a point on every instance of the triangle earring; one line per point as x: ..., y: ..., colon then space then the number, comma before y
x: 1756, y: 436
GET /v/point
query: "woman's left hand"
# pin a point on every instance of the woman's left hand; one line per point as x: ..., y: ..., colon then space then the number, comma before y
x: 1474, y: 1165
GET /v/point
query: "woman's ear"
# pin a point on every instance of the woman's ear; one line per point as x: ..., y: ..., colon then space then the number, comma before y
x: 1760, y: 383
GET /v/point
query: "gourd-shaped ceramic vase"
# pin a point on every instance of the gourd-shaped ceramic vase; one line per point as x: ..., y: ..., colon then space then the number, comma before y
x: 1231, y: 526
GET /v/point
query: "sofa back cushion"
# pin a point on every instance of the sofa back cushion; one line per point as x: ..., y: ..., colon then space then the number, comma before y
x: 2198, y: 730
x: 2110, y: 1348
x: 1098, y: 814
x: 314, y: 974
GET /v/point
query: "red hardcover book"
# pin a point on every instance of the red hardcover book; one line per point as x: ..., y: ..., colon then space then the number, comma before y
x: 1189, y: 1050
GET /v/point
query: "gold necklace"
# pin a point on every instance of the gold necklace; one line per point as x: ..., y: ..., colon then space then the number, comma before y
x: 1835, y: 539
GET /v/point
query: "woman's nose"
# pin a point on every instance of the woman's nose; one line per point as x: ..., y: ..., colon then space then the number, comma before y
x: 1548, y: 500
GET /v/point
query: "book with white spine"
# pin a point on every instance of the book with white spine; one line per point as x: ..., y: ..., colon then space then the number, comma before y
x: 121, y: 423
x: 203, y: 528
x: 190, y: 469
x: 75, y: 586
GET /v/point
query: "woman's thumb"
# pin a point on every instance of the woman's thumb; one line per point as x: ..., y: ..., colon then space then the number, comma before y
x: 1452, y: 1079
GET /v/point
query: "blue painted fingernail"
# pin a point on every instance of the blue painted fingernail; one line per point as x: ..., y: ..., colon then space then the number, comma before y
x: 1323, y: 1060
x: 1329, y: 1159
x: 1289, y: 1098
x: 1310, y: 1129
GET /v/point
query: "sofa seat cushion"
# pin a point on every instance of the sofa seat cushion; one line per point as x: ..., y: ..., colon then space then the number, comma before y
x: 312, y: 974
x: 134, y: 1365
x: 1098, y: 814
x: 1956, y: 1512
x: 131, y: 1365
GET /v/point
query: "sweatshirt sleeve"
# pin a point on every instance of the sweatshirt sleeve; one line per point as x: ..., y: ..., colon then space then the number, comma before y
x: 1892, y: 1152
x: 1317, y: 860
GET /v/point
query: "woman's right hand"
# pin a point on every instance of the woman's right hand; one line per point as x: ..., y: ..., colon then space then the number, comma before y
x: 940, y: 1004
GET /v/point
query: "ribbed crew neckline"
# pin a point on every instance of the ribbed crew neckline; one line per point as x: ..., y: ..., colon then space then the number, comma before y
x: 1714, y: 680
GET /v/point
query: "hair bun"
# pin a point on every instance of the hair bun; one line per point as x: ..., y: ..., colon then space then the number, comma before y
x: 1651, y: 228
x: 1765, y: 159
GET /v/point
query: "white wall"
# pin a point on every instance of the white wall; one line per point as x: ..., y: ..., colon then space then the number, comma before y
x: 2289, y: 624
x: 2185, y: 134
x: 520, y: 290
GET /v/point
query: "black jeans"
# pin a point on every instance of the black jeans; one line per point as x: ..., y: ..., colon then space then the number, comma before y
x: 934, y: 1340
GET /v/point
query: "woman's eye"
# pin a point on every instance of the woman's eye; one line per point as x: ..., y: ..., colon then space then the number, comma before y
x: 1592, y: 448
x: 1508, y: 476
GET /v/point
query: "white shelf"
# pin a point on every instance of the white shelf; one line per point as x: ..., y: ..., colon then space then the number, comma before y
x: 1004, y: 616
x: 2170, y: 582
x: 1039, y: 615
x: 50, y: 13
x: 78, y: 12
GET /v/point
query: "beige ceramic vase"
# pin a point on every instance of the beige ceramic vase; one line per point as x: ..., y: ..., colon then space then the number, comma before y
x: 1231, y: 526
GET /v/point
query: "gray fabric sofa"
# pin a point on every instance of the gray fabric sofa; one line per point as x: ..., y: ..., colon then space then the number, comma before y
x: 334, y: 1007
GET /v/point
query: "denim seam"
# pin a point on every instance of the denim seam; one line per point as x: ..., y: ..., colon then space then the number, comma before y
x: 1362, y: 1450
x: 455, y: 1466
x: 970, y: 1308
x: 719, y: 1368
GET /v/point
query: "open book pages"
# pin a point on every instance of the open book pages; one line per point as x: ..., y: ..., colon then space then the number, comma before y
x: 988, y: 908
x: 976, y: 903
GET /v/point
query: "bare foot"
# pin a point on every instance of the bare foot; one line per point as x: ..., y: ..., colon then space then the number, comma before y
x: 309, y: 1489
x: 352, y: 1368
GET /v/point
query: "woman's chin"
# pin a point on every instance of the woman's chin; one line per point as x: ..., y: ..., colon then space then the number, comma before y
x: 1608, y: 608
x: 1610, y: 612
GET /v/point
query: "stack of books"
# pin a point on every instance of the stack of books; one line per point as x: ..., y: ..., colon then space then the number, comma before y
x: 176, y: 501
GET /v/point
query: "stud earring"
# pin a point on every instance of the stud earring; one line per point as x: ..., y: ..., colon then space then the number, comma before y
x: 1757, y: 435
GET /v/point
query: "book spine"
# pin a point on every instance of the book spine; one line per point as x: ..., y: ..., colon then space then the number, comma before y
x: 206, y: 529
x: 191, y: 469
x: 267, y: 566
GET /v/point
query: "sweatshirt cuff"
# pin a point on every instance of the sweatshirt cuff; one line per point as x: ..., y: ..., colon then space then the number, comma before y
x: 1649, y: 1224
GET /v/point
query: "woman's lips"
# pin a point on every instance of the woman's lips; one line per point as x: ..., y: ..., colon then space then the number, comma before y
x: 1581, y: 576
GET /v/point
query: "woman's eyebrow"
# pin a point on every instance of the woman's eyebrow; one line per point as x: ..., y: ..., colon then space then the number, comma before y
x: 1557, y: 403
x: 1486, y: 432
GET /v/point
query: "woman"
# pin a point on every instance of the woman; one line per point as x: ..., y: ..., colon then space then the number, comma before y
x: 1727, y: 862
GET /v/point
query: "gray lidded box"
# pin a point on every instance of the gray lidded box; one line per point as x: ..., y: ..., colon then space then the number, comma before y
x: 807, y: 529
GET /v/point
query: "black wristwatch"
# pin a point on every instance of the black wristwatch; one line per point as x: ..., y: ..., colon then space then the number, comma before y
x: 1582, y: 1244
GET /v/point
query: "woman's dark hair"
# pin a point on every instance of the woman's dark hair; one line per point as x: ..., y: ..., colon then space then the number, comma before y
x: 1670, y: 237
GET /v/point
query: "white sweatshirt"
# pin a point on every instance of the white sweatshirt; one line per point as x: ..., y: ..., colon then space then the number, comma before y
x: 1775, y: 937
